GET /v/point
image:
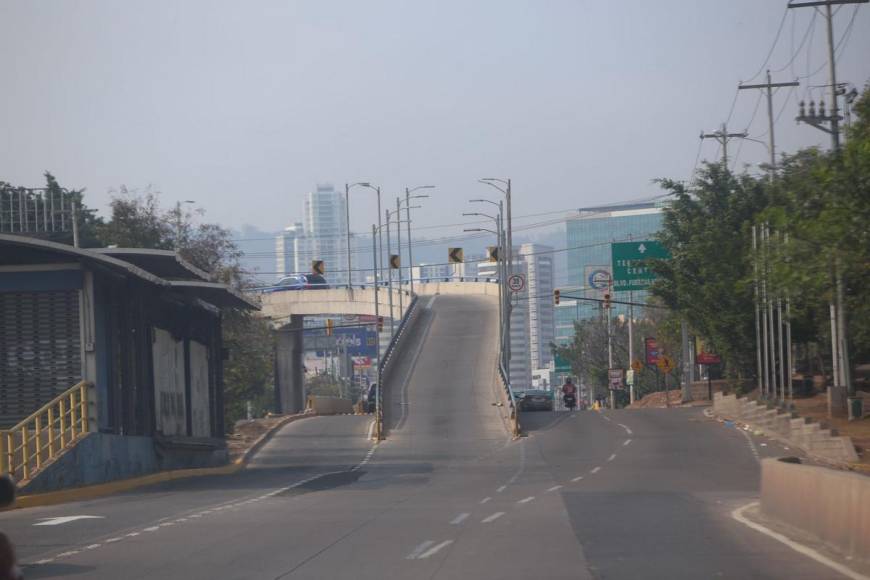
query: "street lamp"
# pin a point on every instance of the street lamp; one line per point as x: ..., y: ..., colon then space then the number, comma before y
x: 347, y: 188
x: 380, y: 249
x: 492, y: 181
x: 409, y: 207
x: 408, y: 192
x: 388, y: 215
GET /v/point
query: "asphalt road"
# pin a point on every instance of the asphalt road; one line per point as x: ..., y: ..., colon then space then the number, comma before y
x: 622, y: 494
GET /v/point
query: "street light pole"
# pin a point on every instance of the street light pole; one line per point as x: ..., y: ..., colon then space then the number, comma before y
x: 399, y: 247
x: 347, y: 231
x: 408, y: 192
x: 390, y: 276
x: 378, y: 421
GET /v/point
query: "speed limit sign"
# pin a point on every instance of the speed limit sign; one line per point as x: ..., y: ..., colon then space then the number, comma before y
x: 516, y: 283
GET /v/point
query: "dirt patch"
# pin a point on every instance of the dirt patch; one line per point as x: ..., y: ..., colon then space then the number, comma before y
x: 660, y: 400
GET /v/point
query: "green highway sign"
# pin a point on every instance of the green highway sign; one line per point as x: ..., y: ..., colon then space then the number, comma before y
x: 563, y: 365
x: 630, y: 271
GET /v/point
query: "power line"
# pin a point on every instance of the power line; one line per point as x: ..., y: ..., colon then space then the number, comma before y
x: 772, y: 46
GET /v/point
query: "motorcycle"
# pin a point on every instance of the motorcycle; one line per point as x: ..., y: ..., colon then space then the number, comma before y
x: 570, y: 401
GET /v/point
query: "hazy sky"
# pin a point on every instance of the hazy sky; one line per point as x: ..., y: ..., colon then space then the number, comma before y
x: 244, y: 105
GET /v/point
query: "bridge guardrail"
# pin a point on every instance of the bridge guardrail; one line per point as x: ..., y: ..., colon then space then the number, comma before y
x: 512, y: 402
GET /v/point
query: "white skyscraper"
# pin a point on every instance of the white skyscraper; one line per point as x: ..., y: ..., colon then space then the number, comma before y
x: 287, y: 246
x: 325, y: 230
x: 539, y: 281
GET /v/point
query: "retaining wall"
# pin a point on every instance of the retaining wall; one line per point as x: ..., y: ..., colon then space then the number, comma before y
x: 797, y: 431
x: 833, y: 506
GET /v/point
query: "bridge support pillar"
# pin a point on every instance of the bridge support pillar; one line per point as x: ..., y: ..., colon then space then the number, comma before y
x: 289, y: 375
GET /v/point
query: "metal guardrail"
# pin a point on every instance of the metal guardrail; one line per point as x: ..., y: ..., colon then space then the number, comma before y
x: 45, y: 434
x: 512, y: 401
x: 403, y: 325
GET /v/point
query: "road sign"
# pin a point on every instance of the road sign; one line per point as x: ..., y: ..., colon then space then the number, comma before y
x: 517, y: 282
x: 630, y: 270
x: 636, y: 365
x: 563, y: 365
x: 665, y: 364
x: 492, y: 253
x: 615, y: 376
x: 652, y: 350
x: 455, y: 255
x: 395, y: 261
x: 704, y: 354
x: 318, y: 267
x: 629, y: 377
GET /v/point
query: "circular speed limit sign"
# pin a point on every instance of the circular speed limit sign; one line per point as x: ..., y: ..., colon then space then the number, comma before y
x: 516, y: 283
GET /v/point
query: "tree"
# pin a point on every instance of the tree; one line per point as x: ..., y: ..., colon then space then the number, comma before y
x: 137, y: 221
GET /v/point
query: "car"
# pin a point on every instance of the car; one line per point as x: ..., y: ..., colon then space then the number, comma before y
x: 315, y: 282
x: 287, y: 283
x: 536, y: 400
x: 371, y: 398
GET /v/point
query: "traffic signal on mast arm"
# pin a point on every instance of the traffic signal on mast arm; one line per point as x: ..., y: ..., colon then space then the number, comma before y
x: 556, y: 295
x: 607, y: 300
x: 380, y: 323
x: 329, y: 326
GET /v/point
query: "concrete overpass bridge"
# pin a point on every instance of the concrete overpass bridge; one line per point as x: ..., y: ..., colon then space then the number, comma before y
x: 287, y: 310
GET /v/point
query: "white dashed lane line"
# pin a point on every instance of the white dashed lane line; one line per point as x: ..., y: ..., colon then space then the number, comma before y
x: 486, y: 499
x: 554, y: 488
x: 576, y: 479
x: 527, y: 499
x: 421, y: 547
x: 612, y: 457
x: 434, y: 549
x: 492, y: 518
x: 501, y: 489
x: 595, y: 470
x: 627, y: 429
x: 459, y: 519
x: 627, y: 441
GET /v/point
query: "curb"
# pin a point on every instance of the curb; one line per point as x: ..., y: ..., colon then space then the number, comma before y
x: 103, y: 489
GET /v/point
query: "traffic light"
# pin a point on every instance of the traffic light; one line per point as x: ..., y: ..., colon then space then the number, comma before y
x: 607, y: 300
x: 329, y: 325
x: 556, y: 297
x: 380, y: 323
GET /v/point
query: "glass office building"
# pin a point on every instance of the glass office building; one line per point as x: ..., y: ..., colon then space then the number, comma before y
x: 589, y: 235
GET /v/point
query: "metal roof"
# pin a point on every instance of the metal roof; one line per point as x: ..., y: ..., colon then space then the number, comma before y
x: 164, y: 263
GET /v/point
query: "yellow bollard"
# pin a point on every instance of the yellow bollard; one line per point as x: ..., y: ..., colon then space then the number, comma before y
x: 51, y: 432
x: 38, y: 437
x: 62, y: 404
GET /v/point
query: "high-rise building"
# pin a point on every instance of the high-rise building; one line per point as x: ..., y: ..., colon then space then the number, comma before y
x: 325, y: 225
x: 539, y: 282
x: 589, y: 234
x: 520, y: 368
x: 287, y: 246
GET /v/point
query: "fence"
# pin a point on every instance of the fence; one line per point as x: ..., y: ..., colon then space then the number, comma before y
x: 45, y: 434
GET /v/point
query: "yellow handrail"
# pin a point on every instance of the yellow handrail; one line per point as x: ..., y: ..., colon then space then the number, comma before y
x: 26, y: 447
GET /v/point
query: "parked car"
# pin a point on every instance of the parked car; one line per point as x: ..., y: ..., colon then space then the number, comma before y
x: 371, y: 398
x: 287, y: 283
x: 315, y: 282
x: 536, y: 400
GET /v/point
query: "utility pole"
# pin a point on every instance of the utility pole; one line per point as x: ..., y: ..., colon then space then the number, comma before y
x: 723, y: 136
x: 610, y: 344
x: 631, y: 344
x: 761, y: 366
x: 410, y: 255
x: 399, y: 249
x: 390, y: 277
x: 769, y: 86
x: 347, y: 232
x: 378, y: 414
x: 839, y: 338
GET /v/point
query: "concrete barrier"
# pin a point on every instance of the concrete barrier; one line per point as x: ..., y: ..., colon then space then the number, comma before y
x: 779, y: 424
x: 328, y: 405
x: 833, y: 506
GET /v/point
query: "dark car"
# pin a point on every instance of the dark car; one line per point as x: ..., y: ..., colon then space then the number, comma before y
x: 371, y: 398
x: 287, y: 283
x: 536, y: 400
x: 315, y: 282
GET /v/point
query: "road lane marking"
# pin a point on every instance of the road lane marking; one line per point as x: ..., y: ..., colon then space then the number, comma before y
x: 434, y: 549
x: 113, y: 540
x: 606, y: 418
x: 595, y: 470
x: 459, y: 519
x: 501, y: 489
x: 132, y: 534
x: 800, y: 548
x: 65, y: 520
x: 45, y: 561
x: 626, y: 427
x: 92, y: 547
x: 421, y: 547
x: 527, y: 499
x: 492, y: 518
x: 578, y: 478
x: 151, y: 529
x: 431, y: 300
x: 69, y: 553
x: 554, y: 488
x: 486, y: 499
x: 612, y: 457
x: 627, y: 441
